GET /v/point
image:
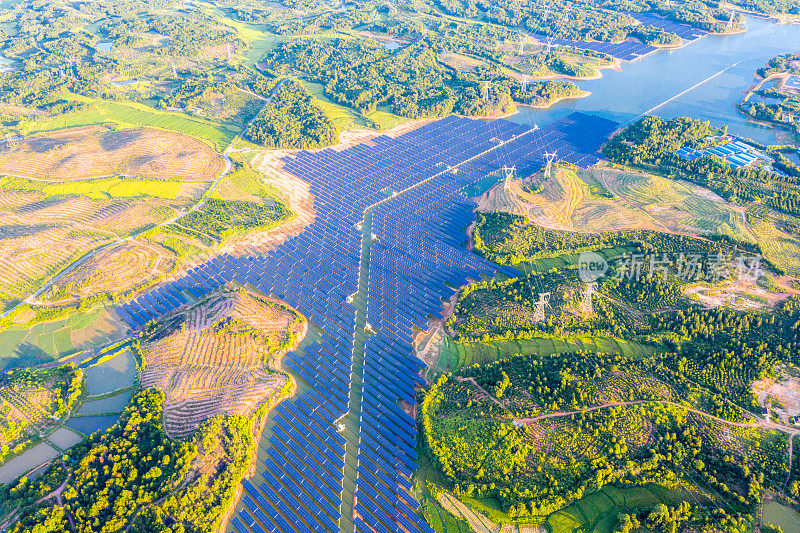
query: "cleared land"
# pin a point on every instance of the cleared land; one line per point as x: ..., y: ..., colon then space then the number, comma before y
x: 99, y: 151
x: 598, y: 199
x: 221, y: 356
x: 120, y: 268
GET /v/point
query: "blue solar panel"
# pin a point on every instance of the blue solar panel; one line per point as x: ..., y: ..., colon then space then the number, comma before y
x: 420, y: 249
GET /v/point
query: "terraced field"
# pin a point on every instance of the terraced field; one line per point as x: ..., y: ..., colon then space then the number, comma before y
x: 120, y: 268
x: 41, y: 234
x: 223, y: 357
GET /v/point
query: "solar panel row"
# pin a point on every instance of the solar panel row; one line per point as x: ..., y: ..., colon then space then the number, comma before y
x: 630, y: 50
x: 625, y: 50
x: 419, y: 250
x: 684, y: 31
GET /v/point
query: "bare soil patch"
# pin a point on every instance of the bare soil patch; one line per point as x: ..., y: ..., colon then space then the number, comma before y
x: 100, y: 151
x: 781, y: 395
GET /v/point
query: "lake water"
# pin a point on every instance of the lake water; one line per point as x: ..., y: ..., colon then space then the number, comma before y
x: 112, y: 404
x: 645, y: 84
x: 89, y: 424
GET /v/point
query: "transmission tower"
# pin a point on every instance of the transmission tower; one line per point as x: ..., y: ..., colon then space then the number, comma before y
x: 508, y: 172
x: 544, y: 300
x: 525, y: 83
x: 730, y: 20
x: 521, y: 44
x: 589, y: 290
x: 486, y: 86
x: 550, y: 156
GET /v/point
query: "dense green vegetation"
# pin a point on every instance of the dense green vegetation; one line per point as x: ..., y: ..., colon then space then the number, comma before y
x: 588, y: 20
x: 409, y: 82
x: 788, y: 63
x: 134, y: 478
x: 222, y: 218
x: 291, y: 119
x: 645, y: 436
x: 540, y: 429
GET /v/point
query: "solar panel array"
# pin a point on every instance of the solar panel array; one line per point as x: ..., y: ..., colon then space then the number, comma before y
x: 632, y: 49
x: 625, y: 50
x: 418, y: 252
x: 792, y: 82
x: 684, y: 31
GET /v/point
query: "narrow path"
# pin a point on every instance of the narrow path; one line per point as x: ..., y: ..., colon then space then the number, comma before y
x: 475, y: 383
x: 352, y: 420
x: 758, y: 423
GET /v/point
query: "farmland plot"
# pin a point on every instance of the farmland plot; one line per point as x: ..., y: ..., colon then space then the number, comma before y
x: 92, y: 152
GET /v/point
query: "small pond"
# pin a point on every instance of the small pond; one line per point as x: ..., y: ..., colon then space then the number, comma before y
x: 111, y: 375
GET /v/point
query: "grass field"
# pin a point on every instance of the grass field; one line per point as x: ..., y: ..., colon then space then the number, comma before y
x: 386, y: 120
x: 131, y: 114
x: 597, y: 512
x: 346, y: 118
x: 343, y: 117
x: 22, y: 345
x: 594, y: 513
x: 259, y: 41
x: 459, y: 356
